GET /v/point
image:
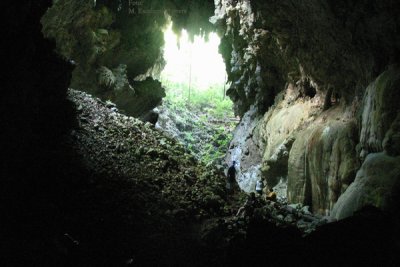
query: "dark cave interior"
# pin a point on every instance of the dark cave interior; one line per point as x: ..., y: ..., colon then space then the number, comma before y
x: 69, y: 198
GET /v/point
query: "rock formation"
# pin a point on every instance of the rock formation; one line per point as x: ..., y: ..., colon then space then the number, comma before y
x: 315, y: 83
x: 377, y: 181
x: 317, y: 104
x: 299, y: 80
x: 117, y: 45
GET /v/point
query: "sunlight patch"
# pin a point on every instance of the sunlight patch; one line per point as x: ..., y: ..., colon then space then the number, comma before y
x: 196, y: 64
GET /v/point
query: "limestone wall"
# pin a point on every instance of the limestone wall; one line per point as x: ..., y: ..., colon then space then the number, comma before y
x: 318, y: 79
x: 378, y: 181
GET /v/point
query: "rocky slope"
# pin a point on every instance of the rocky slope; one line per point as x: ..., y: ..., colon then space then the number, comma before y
x: 114, y: 144
x: 74, y: 204
x: 150, y: 185
x: 137, y: 212
x: 131, y: 191
x: 124, y: 192
x: 205, y: 136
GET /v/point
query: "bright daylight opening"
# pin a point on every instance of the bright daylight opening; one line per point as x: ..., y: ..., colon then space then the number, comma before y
x: 195, y: 81
x: 196, y: 64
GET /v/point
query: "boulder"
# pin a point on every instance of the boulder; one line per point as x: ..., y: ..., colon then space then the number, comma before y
x: 377, y: 183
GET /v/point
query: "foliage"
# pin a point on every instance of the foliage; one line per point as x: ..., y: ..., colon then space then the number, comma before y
x: 218, y: 146
x: 206, y: 120
x: 209, y: 101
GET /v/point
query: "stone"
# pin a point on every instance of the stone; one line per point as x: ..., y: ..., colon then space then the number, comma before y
x: 108, y: 65
x: 289, y: 218
x: 248, y: 166
x: 295, y: 206
x: 110, y: 104
x: 309, y: 218
x: 376, y: 183
x: 380, y: 108
x: 277, y: 129
x: 322, y: 163
x: 391, y: 143
x: 301, y: 224
x: 306, y: 210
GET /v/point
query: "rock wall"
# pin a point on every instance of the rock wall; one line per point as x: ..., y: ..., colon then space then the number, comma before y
x: 380, y: 109
x: 267, y: 43
x: 118, y: 45
x: 245, y: 150
x: 110, y: 48
x: 298, y: 70
x: 323, y: 161
x: 377, y: 181
x: 278, y: 129
x: 315, y: 101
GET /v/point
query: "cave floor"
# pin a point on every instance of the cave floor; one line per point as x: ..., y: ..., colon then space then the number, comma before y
x: 131, y: 196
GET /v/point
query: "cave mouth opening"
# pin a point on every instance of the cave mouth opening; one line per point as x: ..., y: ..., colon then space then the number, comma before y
x: 196, y: 104
x: 194, y: 68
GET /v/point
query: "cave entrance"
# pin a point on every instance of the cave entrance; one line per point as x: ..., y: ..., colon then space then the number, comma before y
x: 196, y: 110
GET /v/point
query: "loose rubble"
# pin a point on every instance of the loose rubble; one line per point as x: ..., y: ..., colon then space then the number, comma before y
x: 278, y: 214
x: 154, y: 184
x: 120, y: 146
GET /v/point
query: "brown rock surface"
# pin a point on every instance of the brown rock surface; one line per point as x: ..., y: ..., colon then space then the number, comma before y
x: 322, y: 162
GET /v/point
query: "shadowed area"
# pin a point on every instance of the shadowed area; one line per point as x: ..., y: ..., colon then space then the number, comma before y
x: 87, y: 179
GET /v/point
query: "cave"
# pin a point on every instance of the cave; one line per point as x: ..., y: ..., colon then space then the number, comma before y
x: 89, y: 179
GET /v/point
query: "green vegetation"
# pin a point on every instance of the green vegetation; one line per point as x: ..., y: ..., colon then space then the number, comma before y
x: 196, y: 109
x: 205, y: 120
x: 210, y: 101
